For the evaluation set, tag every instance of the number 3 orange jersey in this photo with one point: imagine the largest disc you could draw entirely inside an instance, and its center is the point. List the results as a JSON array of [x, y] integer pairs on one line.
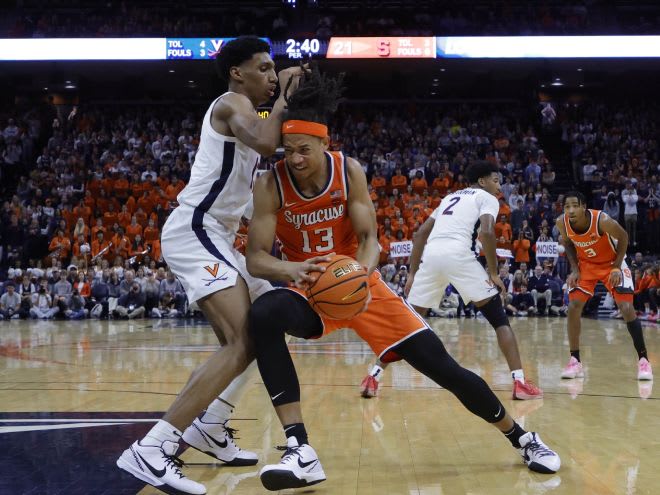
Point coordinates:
[[313, 226], [591, 246]]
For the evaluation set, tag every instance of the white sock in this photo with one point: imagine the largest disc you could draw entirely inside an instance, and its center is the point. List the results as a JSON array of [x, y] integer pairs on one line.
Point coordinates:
[[220, 409], [377, 372], [518, 375], [161, 432]]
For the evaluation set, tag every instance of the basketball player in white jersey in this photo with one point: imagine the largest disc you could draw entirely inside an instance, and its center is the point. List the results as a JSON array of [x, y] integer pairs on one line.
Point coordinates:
[[197, 243], [448, 240]]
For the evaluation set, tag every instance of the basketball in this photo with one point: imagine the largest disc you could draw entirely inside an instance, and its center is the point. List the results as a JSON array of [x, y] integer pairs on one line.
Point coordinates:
[[341, 291]]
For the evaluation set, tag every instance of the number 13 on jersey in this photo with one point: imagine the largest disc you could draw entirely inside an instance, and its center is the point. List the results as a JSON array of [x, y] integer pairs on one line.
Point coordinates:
[[322, 240]]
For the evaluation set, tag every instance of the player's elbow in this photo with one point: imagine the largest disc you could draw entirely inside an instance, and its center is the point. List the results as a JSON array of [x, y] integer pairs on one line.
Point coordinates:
[[265, 148]]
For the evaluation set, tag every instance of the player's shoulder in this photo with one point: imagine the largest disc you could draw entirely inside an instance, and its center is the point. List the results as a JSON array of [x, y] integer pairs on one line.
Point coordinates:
[[228, 103]]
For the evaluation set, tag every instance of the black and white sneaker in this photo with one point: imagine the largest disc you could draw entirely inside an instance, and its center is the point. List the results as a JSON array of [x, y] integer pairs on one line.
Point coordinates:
[[537, 455], [159, 467], [217, 440], [299, 467]]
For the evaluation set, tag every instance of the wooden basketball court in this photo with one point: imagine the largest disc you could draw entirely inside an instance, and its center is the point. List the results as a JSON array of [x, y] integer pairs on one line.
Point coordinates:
[[73, 395]]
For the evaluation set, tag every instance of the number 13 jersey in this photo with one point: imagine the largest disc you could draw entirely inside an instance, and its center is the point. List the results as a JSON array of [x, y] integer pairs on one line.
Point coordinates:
[[314, 226], [457, 218]]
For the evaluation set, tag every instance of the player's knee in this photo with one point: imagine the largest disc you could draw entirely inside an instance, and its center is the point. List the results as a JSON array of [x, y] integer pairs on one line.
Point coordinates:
[[268, 315], [494, 312]]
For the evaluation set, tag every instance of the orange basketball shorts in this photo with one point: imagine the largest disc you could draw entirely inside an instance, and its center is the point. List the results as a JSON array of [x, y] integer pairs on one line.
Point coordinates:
[[591, 274], [387, 322]]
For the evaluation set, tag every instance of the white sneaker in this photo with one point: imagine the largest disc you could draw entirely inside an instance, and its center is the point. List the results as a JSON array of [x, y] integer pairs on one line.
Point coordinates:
[[299, 467], [538, 455], [217, 440], [159, 467]]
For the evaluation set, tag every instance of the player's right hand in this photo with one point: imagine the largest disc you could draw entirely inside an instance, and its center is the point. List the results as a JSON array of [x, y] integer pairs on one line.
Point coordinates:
[[302, 273], [572, 279], [497, 281]]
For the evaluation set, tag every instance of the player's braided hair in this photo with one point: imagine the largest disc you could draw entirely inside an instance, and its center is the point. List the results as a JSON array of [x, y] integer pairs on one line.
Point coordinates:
[[316, 98]]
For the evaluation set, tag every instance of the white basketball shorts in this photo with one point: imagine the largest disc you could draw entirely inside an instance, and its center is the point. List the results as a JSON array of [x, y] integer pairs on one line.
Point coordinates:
[[200, 252], [446, 263]]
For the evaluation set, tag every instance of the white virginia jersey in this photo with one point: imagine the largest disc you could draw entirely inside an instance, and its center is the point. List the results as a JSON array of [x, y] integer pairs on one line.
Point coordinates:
[[221, 178], [457, 216]]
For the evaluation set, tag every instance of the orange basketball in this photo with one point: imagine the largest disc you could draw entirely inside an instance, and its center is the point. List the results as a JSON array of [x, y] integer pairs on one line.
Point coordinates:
[[341, 291]]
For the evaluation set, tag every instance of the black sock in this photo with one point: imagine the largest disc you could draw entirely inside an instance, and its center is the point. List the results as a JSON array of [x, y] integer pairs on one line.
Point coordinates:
[[296, 430], [576, 354], [635, 330], [514, 434]]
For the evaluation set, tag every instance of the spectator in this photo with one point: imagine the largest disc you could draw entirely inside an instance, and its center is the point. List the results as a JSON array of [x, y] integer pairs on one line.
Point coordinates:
[[521, 247], [174, 287], [42, 304], [76, 309], [131, 304], [539, 285], [630, 198], [523, 303], [10, 303], [611, 206]]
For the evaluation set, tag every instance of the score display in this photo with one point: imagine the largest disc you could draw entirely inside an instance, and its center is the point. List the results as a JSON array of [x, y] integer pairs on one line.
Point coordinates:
[[382, 47], [377, 47]]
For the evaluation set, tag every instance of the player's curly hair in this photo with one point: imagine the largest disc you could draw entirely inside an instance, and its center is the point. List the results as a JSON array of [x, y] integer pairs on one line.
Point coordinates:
[[478, 169], [582, 200], [316, 98], [237, 51]]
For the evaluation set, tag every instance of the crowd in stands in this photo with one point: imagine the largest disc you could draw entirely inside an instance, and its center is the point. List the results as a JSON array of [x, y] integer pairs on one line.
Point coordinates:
[[615, 152], [80, 229], [323, 19]]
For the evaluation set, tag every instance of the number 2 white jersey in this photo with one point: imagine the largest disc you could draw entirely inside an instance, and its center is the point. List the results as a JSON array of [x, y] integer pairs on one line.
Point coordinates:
[[457, 218], [221, 178]]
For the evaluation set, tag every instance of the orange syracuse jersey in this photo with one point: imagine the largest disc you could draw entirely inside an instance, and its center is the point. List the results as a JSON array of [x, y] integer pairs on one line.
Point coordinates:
[[591, 246], [313, 226]]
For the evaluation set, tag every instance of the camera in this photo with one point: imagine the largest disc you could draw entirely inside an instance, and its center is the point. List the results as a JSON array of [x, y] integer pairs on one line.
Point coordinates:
[[42, 290]]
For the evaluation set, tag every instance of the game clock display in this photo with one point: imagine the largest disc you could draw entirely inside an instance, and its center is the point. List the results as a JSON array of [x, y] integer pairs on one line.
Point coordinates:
[[300, 48]]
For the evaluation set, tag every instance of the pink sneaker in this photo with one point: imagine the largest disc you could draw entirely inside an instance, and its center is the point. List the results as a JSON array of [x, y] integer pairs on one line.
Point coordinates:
[[526, 390], [644, 371], [573, 369], [369, 387]]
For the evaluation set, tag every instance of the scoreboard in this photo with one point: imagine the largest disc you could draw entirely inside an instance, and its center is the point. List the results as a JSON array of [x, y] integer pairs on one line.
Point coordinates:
[[375, 47]]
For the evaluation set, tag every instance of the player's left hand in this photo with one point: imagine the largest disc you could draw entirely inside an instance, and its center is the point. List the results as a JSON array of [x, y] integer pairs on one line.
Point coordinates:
[[615, 277]]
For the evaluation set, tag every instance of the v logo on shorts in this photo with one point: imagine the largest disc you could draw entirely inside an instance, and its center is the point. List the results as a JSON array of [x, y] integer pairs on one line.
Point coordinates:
[[213, 271]]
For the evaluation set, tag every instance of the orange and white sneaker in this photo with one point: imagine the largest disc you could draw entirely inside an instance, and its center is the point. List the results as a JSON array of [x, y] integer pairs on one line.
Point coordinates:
[[644, 371], [526, 390], [369, 387], [573, 369]]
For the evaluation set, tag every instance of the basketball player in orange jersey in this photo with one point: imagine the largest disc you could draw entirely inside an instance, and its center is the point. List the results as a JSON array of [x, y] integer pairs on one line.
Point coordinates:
[[316, 203], [596, 247]]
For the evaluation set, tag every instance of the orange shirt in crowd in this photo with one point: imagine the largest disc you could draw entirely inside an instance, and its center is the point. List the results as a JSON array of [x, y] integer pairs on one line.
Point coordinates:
[[378, 183], [124, 218], [96, 228], [108, 185], [419, 185], [155, 249], [121, 188], [84, 212], [63, 244], [76, 250], [121, 245], [441, 185], [133, 230], [110, 218], [83, 288], [131, 205], [146, 203], [151, 233], [503, 229], [399, 182], [391, 211], [98, 247], [504, 210], [521, 250]]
